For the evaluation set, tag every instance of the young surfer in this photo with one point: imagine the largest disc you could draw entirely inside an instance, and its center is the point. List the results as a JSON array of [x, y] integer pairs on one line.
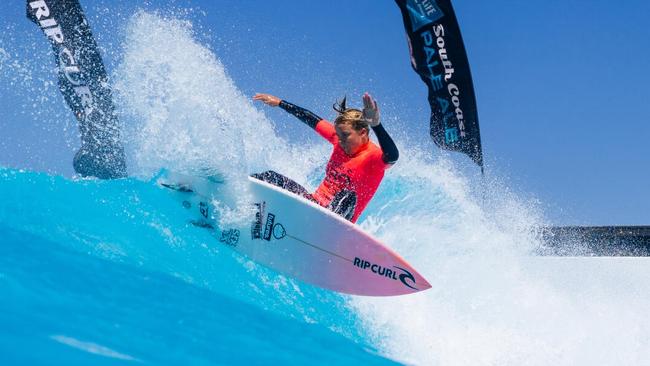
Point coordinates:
[[356, 166]]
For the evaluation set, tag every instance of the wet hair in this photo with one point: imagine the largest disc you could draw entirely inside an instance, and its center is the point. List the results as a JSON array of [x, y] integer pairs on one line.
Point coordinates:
[[349, 115]]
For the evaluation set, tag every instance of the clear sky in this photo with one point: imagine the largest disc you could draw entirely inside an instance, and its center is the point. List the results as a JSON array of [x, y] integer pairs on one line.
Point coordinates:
[[561, 85]]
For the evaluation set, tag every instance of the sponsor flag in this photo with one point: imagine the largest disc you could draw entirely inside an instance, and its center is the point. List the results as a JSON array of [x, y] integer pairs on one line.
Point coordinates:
[[84, 85], [438, 56]]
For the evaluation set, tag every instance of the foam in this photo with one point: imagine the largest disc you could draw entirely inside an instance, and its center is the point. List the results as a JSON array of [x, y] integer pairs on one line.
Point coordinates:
[[492, 301]]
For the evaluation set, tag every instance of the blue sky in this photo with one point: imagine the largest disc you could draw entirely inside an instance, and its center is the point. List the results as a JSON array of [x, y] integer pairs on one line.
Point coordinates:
[[560, 86]]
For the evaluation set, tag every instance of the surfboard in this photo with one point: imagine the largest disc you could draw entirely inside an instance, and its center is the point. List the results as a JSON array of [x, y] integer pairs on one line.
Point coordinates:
[[300, 239]]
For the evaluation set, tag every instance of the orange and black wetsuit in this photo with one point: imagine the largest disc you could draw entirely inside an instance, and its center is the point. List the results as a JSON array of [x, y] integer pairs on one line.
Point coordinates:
[[350, 181]]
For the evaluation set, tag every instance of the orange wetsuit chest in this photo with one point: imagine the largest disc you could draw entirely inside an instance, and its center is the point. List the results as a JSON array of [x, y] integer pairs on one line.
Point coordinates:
[[361, 173]]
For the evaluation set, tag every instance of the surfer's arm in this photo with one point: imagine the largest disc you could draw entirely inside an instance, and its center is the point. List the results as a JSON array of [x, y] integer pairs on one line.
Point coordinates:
[[390, 152], [308, 117], [371, 116], [322, 127]]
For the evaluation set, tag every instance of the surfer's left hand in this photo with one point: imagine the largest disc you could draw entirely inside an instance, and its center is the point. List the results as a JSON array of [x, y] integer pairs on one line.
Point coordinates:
[[370, 110]]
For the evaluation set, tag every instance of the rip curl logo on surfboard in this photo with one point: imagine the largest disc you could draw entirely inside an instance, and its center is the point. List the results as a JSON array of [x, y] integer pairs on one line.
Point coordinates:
[[405, 276]]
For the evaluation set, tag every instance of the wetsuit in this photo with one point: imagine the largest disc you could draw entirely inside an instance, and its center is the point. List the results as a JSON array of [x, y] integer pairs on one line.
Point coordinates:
[[350, 181]]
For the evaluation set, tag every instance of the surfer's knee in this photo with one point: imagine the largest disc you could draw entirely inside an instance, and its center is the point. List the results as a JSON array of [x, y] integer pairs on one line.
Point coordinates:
[[344, 204]]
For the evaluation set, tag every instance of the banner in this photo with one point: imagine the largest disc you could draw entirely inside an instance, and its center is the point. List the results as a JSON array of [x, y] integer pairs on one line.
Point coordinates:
[[438, 56], [84, 85]]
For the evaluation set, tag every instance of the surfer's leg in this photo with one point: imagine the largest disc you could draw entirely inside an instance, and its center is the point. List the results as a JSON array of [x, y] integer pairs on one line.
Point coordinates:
[[281, 181], [343, 204]]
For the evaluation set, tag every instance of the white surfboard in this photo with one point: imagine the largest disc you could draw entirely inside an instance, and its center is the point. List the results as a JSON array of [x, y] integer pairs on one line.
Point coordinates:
[[302, 240]]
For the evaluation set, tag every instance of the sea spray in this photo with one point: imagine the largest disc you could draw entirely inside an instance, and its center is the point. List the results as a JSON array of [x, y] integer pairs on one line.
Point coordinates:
[[493, 301], [184, 113], [486, 306]]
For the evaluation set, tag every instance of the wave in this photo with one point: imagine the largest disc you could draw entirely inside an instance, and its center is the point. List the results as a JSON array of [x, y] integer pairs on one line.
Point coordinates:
[[492, 301], [73, 307]]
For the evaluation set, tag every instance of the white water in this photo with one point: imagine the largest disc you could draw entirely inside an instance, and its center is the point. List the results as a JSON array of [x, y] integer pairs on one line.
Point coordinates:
[[186, 114], [492, 302]]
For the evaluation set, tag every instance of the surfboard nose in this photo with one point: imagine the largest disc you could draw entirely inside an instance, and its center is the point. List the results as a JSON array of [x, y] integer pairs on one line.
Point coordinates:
[[423, 284], [419, 282], [392, 277]]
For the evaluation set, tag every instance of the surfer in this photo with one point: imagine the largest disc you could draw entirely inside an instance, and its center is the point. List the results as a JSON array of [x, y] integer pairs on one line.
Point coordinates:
[[355, 168]]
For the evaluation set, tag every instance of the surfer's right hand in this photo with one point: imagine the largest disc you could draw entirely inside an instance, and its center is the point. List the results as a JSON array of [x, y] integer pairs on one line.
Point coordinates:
[[268, 99], [370, 110]]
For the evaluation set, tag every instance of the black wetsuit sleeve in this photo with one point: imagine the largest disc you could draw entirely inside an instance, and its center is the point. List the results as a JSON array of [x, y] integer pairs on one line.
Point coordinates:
[[391, 154], [302, 114]]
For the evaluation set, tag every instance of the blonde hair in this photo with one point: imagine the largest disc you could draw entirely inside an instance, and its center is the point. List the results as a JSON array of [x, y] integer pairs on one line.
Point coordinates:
[[352, 116]]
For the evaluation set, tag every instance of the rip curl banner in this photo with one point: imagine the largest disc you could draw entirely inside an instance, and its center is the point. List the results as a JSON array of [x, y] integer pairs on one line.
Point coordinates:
[[438, 56], [84, 85]]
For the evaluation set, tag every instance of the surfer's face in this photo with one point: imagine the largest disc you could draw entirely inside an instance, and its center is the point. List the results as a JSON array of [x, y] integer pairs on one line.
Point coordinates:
[[350, 139]]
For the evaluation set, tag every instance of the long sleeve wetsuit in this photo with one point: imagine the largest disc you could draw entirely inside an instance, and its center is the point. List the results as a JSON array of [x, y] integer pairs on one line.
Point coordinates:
[[350, 180]]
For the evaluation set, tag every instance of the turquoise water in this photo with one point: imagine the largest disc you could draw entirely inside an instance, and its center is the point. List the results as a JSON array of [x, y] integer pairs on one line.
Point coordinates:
[[110, 273]]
